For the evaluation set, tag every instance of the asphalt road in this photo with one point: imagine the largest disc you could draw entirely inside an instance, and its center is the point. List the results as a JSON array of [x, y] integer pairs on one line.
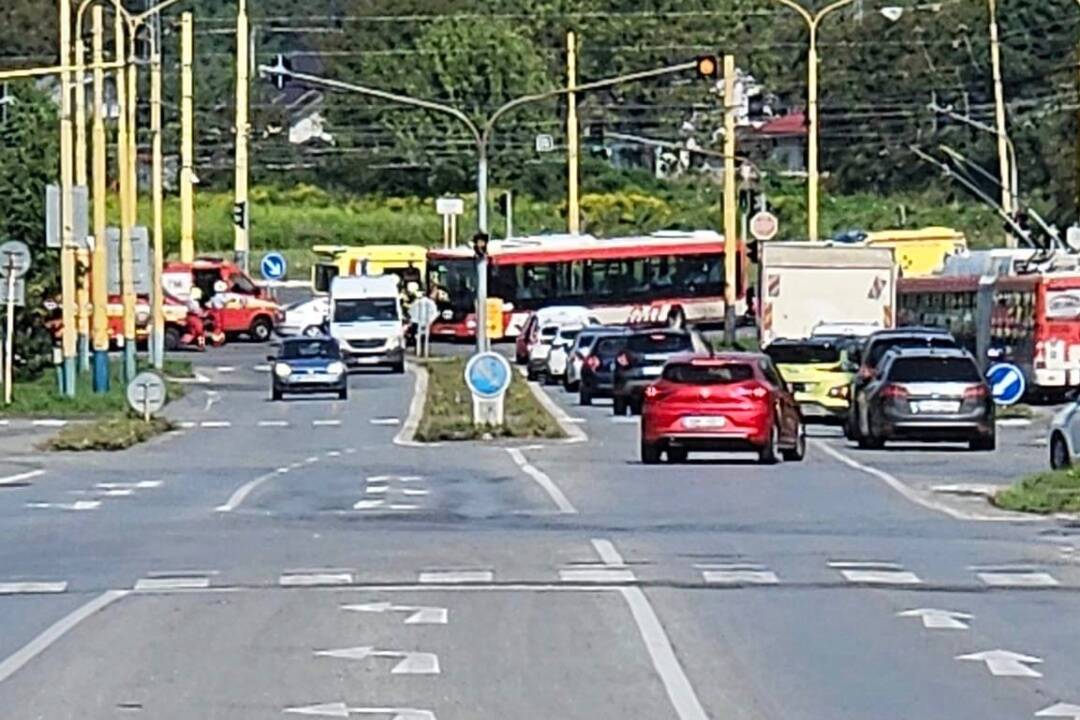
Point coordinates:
[[291, 560]]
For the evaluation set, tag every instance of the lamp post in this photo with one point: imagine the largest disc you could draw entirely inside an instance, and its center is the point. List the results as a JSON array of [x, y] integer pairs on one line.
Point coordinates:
[[999, 114], [813, 20]]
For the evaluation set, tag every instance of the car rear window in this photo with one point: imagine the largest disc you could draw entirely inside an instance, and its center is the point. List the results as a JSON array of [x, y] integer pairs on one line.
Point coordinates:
[[687, 374], [659, 343], [549, 331], [803, 354], [609, 347], [930, 369], [878, 349]]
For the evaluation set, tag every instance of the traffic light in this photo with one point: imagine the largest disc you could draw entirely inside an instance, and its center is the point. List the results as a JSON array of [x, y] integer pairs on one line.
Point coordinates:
[[240, 216], [708, 67], [480, 245], [503, 203]]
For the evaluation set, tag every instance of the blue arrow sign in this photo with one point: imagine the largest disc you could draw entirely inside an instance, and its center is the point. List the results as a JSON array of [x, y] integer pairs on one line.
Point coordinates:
[[273, 266], [488, 375], [1007, 383]]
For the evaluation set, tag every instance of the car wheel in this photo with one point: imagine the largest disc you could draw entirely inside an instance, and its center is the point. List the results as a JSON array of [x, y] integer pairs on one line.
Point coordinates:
[[343, 394], [870, 441], [398, 368], [261, 329], [851, 424], [650, 452], [768, 454], [618, 406], [584, 396], [1059, 452], [798, 452], [530, 375], [275, 394], [312, 331], [677, 455], [984, 444]]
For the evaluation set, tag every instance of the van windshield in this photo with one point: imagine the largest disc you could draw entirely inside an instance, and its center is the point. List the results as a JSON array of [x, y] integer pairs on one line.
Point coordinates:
[[366, 310]]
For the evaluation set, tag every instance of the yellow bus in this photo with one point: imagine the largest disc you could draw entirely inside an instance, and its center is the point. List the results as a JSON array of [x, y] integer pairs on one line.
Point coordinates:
[[922, 252], [408, 262]]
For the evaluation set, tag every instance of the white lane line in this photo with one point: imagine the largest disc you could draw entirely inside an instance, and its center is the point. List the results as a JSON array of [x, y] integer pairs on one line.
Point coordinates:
[[20, 477], [914, 496], [162, 584], [241, 493], [386, 421], [1017, 579], [225, 368], [452, 577], [413, 492], [187, 424], [737, 574], [141, 485], [403, 506], [32, 588], [49, 423], [368, 504], [679, 690], [215, 424], [261, 368], [609, 555], [4, 423], [119, 492], [274, 423], [622, 420], [881, 577], [78, 505], [38, 645], [376, 489], [543, 481], [326, 423], [601, 575], [333, 453], [315, 579]]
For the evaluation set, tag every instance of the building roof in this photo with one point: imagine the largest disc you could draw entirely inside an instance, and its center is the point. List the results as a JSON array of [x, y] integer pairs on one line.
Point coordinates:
[[791, 125]]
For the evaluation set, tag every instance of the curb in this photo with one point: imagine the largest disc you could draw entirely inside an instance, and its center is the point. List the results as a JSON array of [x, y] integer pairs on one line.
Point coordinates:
[[406, 436], [574, 433]]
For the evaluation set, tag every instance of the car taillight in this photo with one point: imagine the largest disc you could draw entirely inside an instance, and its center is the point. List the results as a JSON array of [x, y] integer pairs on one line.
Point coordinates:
[[623, 360], [592, 362], [976, 392], [751, 390], [894, 391]]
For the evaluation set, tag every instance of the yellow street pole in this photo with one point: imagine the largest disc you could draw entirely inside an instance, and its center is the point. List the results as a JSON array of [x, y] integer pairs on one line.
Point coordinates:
[[99, 286], [731, 201], [133, 124], [240, 231], [187, 141], [123, 149], [67, 210], [157, 190], [82, 256], [999, 112], [573, 138]]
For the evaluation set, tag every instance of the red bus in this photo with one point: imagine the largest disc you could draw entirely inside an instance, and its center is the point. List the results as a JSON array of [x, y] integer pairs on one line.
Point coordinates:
[[669, 277], [1034, 320]]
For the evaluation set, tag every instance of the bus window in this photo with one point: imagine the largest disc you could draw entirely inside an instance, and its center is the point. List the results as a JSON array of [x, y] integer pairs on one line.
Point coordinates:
[[322, 275]]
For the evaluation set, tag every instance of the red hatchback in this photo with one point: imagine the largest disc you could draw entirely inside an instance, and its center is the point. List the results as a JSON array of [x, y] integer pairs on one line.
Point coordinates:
[[723, 403]]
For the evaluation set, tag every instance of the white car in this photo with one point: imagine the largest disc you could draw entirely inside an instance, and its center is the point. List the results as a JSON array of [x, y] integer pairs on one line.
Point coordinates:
[[307, 318], [539, 352], [558, 357], [1064, 440]]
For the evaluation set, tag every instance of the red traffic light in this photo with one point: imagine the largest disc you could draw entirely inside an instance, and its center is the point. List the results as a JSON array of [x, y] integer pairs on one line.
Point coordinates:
[[708, 66]]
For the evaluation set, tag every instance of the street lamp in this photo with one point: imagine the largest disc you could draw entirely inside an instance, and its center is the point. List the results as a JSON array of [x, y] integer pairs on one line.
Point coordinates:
[[812, 179]]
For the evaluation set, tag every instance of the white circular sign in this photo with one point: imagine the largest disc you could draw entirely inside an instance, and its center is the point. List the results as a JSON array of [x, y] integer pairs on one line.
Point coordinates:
[[14, 257], [764, 226], [146, 393], [423, 312], [488, 375]]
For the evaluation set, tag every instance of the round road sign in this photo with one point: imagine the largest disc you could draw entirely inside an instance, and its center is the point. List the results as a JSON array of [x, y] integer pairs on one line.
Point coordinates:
[[146, 393], [1007, 383], [273, 266], [14, 258], [764, 226], [488, 375]]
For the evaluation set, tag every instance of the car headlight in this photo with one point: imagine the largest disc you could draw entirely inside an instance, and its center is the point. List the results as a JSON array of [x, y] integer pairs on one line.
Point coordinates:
[[471, 324], [393, 343], [282, 370], [335, 368]]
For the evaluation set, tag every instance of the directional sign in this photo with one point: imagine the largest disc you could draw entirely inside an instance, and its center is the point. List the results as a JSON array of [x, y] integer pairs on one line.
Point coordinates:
[[341, 710], [488, 375], [1007, 383], [146, 394], [1005, 663], [545, 143], [417, 614], [14, 258], [273, 266], [939, 619], [764, 226], [409, 663]]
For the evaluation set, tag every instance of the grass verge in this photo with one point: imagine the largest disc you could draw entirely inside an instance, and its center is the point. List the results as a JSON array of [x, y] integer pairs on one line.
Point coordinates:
[[114, 433], [1051, 491], [448, 409], [1015, 412]]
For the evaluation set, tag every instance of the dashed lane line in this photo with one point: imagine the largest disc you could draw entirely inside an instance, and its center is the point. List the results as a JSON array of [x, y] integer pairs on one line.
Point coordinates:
[[215, 424], [455, 577], [168, 584], [1016, 578], [32, 588], [241, 493], [545, 482], [737, 574], [273, 423], [326, 423], [21, 477], [316, 579]]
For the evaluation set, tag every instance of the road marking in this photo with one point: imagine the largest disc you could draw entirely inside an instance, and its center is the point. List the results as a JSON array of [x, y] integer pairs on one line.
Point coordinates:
[[326, 423], [311, 460], [409, 662], [49, 423], [601, 574], [543, 481], [315, 579], [914, 496], [403, 506], [607, 551], [1018, 578], [141, 485], [386, 421], [20, 477], [623, 420], [187, 424], [1013, 422], [274, 423], [350, 451], [262, 368], [215, 424], [162, 584], [939, 619], [1005, 663], [1060, 710], [368, 504], [120, 492], [376, 489], [407, 435], [39, 644], [737, 574], [333, 453], [241, 493], [880, 577], [455, 577], [212, 396], [32, 588], [225, 368], [4, 423], [341, 710], [418, 614], [414, 492], [78, 505]]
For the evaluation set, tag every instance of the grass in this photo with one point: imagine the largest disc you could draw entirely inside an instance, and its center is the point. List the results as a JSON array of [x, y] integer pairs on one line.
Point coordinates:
[[448, 409], [1011, 412], [1051, 491], [114, 433]]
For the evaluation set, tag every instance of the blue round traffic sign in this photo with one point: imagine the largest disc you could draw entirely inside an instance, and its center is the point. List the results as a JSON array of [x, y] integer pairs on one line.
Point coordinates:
[[487, 375], [273, 266], [1007, 383]]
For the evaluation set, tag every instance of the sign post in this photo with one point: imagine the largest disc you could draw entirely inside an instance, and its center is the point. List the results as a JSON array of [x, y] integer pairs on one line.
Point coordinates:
[[423, 312], [488, 376], [450, 208], [146, 394], [14, 262]]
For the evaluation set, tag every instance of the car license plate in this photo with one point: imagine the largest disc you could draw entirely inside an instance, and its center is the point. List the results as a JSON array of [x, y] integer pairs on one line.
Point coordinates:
[[811, 410], [937, 406], [799, 387], [705, 422], [651, 370]]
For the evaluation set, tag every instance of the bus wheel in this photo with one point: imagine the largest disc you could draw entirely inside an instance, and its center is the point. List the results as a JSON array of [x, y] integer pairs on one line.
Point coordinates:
[[676, 319]]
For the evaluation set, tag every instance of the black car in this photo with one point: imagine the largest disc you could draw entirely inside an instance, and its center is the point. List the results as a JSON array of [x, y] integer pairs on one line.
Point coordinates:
[[865, 361], [308, 365], [929, 394], [641, 362], [598, 368]]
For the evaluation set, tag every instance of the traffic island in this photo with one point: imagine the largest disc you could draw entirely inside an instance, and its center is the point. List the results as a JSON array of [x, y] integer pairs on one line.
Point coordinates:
[[448, 411], [109, 434], [1045, 493]]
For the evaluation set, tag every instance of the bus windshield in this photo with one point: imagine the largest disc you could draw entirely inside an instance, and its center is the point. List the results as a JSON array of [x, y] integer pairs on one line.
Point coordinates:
[[454, 282]]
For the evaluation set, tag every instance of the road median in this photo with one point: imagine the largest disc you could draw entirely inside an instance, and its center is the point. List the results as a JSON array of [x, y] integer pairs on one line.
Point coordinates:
[[1044, 493]]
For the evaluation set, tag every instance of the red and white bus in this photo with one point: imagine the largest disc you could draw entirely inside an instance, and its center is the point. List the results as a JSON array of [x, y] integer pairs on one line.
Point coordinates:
[[669, 277], [1034, 320]]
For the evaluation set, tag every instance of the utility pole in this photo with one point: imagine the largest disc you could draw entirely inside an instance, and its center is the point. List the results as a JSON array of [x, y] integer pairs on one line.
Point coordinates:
[[187, 141], [240, 230], [127, 215], [999, 112], [730, 202], [82, 256], [67, 209], [573, 138], [157, 311], [99, 285]]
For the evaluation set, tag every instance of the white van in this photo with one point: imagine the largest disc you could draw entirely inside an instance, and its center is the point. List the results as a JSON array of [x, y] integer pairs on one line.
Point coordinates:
[[366, 320]]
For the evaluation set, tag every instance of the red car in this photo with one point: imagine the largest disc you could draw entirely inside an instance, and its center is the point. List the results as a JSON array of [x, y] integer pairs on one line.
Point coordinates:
[[729, 403]]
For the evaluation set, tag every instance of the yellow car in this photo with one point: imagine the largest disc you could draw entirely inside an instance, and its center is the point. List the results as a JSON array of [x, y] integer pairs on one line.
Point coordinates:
[[819, 373]]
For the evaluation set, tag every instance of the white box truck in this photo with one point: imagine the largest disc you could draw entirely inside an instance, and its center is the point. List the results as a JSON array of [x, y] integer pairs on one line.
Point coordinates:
[[801, 285], [366, 320]]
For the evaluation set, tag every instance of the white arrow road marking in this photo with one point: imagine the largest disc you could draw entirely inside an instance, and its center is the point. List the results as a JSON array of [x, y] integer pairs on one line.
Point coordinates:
[[1005, 663], [1060, 710], [418, 614], [212, 396], [12, 479], [341, 710], [939, 619], [409, 663]]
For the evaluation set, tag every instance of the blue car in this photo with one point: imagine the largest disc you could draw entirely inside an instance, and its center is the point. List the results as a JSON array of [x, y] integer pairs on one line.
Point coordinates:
[[308, 365]]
